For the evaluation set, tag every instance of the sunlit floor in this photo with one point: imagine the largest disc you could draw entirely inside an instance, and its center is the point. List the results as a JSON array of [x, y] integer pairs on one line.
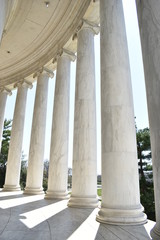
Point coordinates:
[[25, 217]]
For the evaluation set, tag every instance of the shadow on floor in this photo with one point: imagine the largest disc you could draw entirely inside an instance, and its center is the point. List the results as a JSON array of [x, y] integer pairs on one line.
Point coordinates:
[[111, 232], [25, 217]]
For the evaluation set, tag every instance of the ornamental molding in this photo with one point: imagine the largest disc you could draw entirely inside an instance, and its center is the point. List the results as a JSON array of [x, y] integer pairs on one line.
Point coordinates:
[[23, 83], [65, 53], [6, 90], [44, 70], [85, 24]]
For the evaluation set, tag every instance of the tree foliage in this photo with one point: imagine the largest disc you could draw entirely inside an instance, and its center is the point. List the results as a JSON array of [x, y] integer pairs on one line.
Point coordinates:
[[146, 175], [23, 173], [45, 174], [147, 198], [143, 148], [4, 149]]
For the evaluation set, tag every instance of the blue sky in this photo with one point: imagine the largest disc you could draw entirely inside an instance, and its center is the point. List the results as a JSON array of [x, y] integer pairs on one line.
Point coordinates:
[[138, 86]]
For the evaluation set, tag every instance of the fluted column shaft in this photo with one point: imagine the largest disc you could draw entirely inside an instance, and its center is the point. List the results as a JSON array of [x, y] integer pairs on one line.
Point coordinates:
[[84, 178], [149, 22], [58, 164], [3, 99], [37, 143], [15, 147], [120, 181]]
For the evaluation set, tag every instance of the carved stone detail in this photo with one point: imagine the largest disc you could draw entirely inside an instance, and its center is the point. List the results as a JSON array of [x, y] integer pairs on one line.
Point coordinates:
[[88, 25], [43, 70], [65, 52], [6, 90], [23, 83]]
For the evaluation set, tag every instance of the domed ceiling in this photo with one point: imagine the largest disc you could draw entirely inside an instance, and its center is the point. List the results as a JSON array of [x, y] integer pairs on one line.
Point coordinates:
[[35, 31]]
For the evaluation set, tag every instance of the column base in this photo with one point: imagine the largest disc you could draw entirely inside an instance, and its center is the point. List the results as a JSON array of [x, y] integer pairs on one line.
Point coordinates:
[[33, 191], [83, 202], [132, 216], [11, 188], [57, 195], [155, 233]]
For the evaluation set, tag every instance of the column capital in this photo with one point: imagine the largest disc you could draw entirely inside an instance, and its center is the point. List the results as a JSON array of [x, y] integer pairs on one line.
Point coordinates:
[[85, 24], [44, 70], [66, 53], [59, 53], [6, 90], [23, 83]]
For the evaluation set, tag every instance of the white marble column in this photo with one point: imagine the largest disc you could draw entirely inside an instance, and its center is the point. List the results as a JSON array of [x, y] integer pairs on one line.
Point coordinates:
[[15, 147], [37, 142], [58, 164], [120, 181], [149, 22], [3, 98], [84, 178]]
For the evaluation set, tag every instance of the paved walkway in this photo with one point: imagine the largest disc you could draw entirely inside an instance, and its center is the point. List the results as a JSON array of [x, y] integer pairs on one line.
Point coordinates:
[[25, 217]]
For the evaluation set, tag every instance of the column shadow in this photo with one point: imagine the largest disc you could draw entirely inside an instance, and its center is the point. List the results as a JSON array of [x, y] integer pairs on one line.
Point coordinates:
[[113, 232], [46, 219]]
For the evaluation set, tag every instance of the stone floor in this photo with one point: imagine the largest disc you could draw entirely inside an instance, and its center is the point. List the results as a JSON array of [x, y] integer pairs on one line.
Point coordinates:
[[25, 217]]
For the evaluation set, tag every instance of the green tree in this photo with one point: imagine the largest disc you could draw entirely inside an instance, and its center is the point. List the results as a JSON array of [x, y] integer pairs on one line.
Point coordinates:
[[147, 198], [146, 180], [4, 149], [23, 173], [143, 148], [45, 174]]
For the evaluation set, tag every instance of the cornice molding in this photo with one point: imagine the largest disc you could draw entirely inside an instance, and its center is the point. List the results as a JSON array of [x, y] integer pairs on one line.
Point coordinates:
[[85, 24], [44, 70], [65, 53], [5, 90], [23, 83]]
